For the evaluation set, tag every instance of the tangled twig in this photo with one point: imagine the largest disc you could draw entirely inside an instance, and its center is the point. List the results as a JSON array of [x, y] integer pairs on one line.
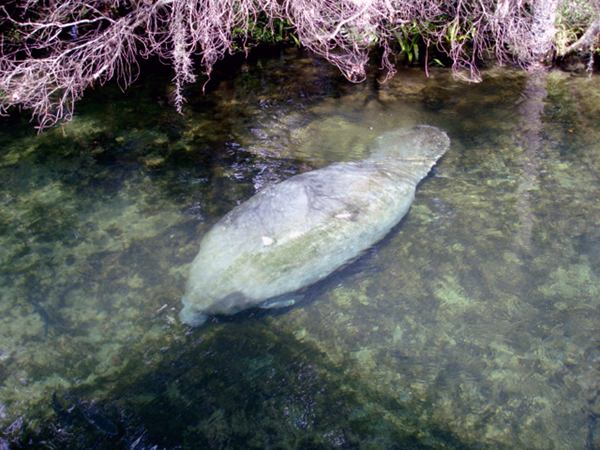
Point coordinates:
[[53, 50]]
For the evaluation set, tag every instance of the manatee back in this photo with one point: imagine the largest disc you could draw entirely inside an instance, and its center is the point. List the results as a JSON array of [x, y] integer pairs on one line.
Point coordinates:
[[293, 234]]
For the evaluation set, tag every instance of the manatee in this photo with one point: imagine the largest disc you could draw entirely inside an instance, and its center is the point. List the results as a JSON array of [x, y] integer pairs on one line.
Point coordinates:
[[290, 235]]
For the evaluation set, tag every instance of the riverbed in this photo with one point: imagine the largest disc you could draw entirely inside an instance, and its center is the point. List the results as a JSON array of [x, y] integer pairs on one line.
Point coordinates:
[[474, 324]]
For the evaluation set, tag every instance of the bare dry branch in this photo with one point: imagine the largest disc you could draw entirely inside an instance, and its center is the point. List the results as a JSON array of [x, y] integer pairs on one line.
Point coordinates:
[[53, 50], [586, 41]]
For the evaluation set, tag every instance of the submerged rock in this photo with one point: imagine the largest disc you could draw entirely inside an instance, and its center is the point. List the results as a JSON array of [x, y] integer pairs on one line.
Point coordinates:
[[295, 233]]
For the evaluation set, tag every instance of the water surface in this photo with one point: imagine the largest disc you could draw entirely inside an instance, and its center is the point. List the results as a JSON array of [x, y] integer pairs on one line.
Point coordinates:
[[474, 324]]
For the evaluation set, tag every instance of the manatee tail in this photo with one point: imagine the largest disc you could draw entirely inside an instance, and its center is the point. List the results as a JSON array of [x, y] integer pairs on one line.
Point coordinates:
[[420, 143]]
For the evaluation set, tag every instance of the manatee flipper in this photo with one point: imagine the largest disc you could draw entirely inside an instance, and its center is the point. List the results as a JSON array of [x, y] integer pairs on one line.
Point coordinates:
[[280, 302]]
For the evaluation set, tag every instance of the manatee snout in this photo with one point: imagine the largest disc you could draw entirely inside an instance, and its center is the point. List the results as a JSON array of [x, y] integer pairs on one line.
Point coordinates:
[[190, 314]]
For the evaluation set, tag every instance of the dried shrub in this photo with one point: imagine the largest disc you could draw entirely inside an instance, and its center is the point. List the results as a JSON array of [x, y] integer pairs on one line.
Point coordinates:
[[52, 50]]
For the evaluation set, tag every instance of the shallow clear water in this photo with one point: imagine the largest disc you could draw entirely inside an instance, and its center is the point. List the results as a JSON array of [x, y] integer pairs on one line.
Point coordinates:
[[474, 324]]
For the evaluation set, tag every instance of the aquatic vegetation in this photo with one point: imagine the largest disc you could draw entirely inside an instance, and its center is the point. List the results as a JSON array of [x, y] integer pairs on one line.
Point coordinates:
[[473, 323]]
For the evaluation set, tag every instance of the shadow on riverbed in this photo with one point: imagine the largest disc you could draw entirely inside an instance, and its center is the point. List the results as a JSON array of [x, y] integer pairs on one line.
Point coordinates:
[[280, 394]]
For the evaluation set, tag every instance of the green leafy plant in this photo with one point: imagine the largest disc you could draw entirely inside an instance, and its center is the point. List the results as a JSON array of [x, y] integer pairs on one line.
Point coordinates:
[[261, 30], [573, 19], [408, 39]]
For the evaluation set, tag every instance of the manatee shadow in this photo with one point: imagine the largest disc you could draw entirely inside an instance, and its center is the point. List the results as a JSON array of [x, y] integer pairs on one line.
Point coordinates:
[[238, 385]]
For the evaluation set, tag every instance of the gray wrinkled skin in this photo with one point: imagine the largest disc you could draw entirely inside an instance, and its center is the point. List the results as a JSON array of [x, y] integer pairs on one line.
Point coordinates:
[[293, 234]]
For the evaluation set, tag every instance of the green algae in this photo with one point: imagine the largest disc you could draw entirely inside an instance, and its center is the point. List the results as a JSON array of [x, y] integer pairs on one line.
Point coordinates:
[[474, 323]]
